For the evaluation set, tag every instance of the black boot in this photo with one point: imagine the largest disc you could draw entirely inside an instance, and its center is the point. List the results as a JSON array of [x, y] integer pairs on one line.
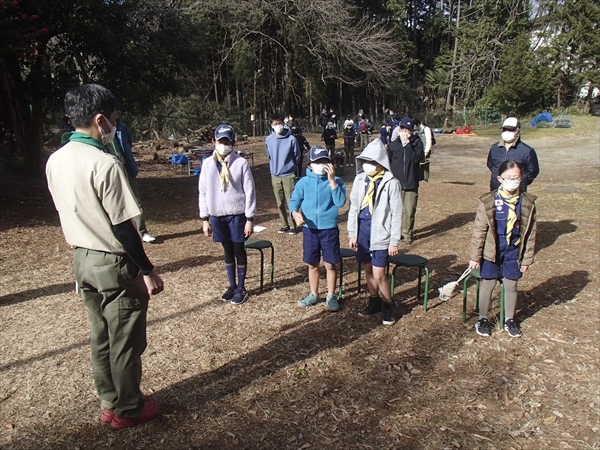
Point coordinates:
[[388, 312], [374, 307]]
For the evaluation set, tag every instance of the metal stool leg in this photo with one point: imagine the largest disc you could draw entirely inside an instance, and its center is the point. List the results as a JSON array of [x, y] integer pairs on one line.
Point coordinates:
[[262, 268], [340, 290], [477, 284], [272, 263], [464, 314], [419, 285], [426, 293], [501, 304], [392, 280]]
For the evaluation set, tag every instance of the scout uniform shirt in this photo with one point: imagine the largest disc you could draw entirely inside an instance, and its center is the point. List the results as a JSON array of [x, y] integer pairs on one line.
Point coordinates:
[[90, 192]]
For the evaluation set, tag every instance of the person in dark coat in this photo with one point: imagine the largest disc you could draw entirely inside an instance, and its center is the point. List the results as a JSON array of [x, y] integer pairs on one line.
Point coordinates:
[[303, 145], [511, 148], [405, 153]]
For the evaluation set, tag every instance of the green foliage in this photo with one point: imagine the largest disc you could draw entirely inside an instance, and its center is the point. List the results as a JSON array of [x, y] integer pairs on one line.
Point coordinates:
[[524, 86], [185, 62]]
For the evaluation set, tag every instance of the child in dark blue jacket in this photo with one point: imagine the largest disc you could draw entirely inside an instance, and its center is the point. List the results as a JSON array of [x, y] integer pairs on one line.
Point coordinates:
[[320, 193]]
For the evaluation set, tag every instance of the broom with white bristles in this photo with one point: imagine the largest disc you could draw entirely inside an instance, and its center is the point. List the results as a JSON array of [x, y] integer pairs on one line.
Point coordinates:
[[447, 290]]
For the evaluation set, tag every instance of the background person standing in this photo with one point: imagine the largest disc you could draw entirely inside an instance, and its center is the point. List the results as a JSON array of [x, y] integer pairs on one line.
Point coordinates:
[[284, 154], [426, 136], [405, 154], [125, 143], [511, 148]]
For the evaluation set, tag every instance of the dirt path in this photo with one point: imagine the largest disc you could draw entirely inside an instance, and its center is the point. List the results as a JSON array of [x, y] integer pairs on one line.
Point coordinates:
[[268, 375]]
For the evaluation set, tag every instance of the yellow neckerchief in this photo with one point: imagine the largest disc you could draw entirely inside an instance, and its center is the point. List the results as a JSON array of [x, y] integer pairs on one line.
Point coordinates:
[[224, 170], [511, 200], [369, 196]]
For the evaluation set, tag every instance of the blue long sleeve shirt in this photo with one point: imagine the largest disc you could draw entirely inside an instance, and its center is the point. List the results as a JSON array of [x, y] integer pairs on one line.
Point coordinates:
[[319, 203], [283, 153]]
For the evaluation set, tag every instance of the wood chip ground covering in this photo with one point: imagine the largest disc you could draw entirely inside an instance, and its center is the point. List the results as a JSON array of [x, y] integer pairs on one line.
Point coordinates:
[[268, 375]]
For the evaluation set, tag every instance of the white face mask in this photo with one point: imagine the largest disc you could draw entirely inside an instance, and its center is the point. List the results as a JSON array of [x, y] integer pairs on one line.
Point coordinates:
[[223, 149], [278, 129], [318, 169], [369, 168], [106, 138], [508, 136], [510, 185]]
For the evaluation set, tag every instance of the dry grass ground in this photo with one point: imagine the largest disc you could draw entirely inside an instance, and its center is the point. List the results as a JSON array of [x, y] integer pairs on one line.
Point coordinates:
[[269, 375]]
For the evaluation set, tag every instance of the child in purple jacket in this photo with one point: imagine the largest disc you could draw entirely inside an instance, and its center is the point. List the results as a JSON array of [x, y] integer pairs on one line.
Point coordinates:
[[227, 207]]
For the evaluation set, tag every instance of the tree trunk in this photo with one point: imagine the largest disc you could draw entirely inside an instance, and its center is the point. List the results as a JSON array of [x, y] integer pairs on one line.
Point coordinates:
[[288, 81], [449, 95]]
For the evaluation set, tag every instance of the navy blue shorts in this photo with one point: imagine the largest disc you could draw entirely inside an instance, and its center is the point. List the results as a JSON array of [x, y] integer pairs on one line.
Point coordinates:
[[228, 228], [378, 258], [506, 264], [317, 242]]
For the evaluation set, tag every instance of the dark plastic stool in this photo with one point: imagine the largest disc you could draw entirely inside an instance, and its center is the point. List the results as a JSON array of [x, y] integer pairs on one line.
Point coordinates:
[[261, 245], [347, 253], [477, 277], [411, 261]]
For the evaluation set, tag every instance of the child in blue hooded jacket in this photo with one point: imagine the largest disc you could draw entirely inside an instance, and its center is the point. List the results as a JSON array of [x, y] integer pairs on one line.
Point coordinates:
[[314, 204]]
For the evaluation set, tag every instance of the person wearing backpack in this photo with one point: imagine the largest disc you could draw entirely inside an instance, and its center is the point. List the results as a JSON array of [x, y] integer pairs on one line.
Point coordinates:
[[349, 144], [428, 139]]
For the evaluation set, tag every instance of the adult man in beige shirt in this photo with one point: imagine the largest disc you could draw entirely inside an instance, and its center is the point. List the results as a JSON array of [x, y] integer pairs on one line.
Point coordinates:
[[96, 204]]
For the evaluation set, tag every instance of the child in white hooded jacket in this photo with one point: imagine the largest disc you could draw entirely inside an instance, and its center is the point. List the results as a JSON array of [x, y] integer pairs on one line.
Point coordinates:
[[375, 225]]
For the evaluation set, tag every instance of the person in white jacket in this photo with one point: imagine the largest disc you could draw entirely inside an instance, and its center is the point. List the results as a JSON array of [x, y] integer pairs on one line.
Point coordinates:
[[375, 225], [426, 135]]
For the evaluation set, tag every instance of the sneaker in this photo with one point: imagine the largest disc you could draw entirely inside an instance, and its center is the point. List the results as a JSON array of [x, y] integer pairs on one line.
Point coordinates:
[[149, 412], [483, 327], [374, 307], [240, 296], [511, 327], [292, 231], [146, 237], [388, 313], [309, 300], [332, 303], [228, 295], [283, 230]]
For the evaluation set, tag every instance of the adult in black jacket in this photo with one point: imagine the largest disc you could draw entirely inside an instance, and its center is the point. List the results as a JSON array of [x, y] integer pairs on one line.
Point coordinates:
[[405, 153], [512, 148]]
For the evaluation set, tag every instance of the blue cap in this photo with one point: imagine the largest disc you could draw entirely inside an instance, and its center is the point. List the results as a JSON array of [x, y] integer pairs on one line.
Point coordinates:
[[224, 131], [407, 122], [318, 152]]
